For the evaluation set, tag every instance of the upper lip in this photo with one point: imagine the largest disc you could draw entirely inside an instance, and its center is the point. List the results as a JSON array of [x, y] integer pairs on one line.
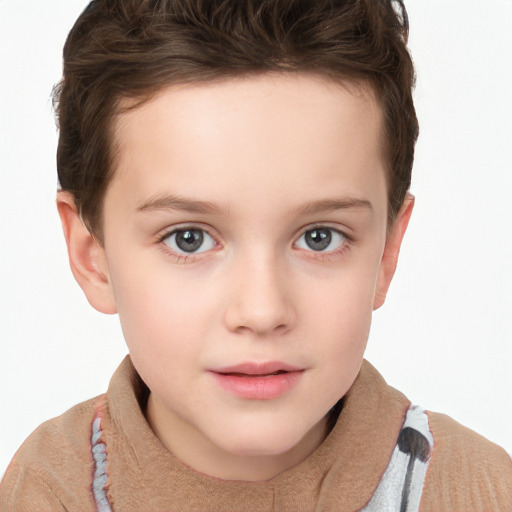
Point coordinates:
[[258, 368]]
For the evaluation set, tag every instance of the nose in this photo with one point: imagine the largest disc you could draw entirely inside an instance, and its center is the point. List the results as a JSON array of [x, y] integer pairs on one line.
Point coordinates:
[[260, 298]]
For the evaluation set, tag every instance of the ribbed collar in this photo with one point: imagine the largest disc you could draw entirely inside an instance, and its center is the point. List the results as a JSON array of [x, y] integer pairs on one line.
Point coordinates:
[[340, 475]]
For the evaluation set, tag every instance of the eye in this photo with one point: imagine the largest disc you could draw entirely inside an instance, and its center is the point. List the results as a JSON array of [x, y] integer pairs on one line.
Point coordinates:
[[321, 239], [189, 241]]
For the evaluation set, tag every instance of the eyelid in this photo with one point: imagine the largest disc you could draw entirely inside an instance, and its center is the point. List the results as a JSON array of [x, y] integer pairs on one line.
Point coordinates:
[[325, 225], [166, 232]]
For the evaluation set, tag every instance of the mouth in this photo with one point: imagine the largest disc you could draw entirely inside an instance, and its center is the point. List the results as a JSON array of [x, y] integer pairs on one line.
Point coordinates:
[[240, 374], [258, 369], [258, 381]]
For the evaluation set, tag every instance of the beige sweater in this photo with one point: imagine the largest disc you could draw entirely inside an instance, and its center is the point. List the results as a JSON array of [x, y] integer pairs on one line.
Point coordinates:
[[53, 470]]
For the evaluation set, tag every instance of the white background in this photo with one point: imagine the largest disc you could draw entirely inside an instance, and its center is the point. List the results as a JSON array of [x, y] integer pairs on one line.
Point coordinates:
[[445, 335]]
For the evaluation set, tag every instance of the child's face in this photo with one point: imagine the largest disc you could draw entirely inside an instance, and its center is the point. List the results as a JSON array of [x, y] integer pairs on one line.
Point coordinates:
[[246, 225]]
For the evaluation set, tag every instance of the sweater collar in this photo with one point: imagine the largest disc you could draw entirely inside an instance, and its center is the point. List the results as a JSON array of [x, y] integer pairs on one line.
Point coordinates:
[[341, 474]]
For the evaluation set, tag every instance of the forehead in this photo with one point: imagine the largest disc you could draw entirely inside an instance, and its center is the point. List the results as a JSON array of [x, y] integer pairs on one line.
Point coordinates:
[[271, 136]]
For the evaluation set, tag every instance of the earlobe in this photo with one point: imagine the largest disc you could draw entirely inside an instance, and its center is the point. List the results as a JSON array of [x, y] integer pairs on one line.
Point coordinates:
[[392, 250], [86, 257]]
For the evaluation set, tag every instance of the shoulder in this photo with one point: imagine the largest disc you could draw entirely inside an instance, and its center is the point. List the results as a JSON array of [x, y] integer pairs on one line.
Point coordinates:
[[466, 471], [52, 469]]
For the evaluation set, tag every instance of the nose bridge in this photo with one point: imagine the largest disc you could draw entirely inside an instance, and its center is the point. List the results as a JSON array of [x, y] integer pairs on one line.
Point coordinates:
[[260, 300]]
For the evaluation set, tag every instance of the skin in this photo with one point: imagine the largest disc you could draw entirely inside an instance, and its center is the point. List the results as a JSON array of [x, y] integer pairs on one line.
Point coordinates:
[[273, 157]]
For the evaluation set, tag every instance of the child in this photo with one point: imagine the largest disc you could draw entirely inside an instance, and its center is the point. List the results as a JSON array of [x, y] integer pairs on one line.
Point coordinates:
[[235, 185]]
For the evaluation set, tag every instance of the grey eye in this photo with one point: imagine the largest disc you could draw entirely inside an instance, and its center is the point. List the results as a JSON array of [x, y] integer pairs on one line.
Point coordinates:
[[321, 239], [189, 241]]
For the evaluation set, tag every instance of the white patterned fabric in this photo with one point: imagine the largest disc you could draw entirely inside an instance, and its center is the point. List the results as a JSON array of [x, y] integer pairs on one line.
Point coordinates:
[[402, 484]]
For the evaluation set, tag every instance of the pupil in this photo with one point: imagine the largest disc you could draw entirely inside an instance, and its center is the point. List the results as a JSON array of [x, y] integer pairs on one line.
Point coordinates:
[[189, 240], [318, 239]]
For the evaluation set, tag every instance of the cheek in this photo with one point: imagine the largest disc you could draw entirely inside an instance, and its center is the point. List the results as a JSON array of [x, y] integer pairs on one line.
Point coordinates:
[[343, 355], [161, 309], [345, 297], [339, 317]]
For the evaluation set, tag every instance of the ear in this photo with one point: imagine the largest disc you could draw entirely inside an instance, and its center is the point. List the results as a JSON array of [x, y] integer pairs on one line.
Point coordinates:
[[392, 250], [86, 257]]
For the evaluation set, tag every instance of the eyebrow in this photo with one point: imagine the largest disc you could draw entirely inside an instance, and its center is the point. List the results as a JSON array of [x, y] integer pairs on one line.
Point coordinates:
[[331, 205], [172, 202]]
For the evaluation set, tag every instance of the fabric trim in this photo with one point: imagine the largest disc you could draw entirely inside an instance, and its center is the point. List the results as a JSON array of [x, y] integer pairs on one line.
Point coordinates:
[[99, 454]]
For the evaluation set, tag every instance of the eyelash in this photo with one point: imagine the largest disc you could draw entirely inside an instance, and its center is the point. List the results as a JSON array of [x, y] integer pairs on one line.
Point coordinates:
[[192, 257]]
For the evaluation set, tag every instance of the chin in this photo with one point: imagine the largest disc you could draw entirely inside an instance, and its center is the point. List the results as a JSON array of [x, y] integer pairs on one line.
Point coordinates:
[[261, 442]]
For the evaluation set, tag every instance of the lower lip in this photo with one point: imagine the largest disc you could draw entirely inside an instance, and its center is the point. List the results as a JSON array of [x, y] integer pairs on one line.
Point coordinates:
[[259, 387]]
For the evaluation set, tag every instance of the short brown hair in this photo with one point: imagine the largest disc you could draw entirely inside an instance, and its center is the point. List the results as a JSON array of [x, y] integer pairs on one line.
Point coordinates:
[[121, 49]]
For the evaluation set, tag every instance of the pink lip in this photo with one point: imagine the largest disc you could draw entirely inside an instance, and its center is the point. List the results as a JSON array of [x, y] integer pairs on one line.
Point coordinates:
[[258, 381]]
